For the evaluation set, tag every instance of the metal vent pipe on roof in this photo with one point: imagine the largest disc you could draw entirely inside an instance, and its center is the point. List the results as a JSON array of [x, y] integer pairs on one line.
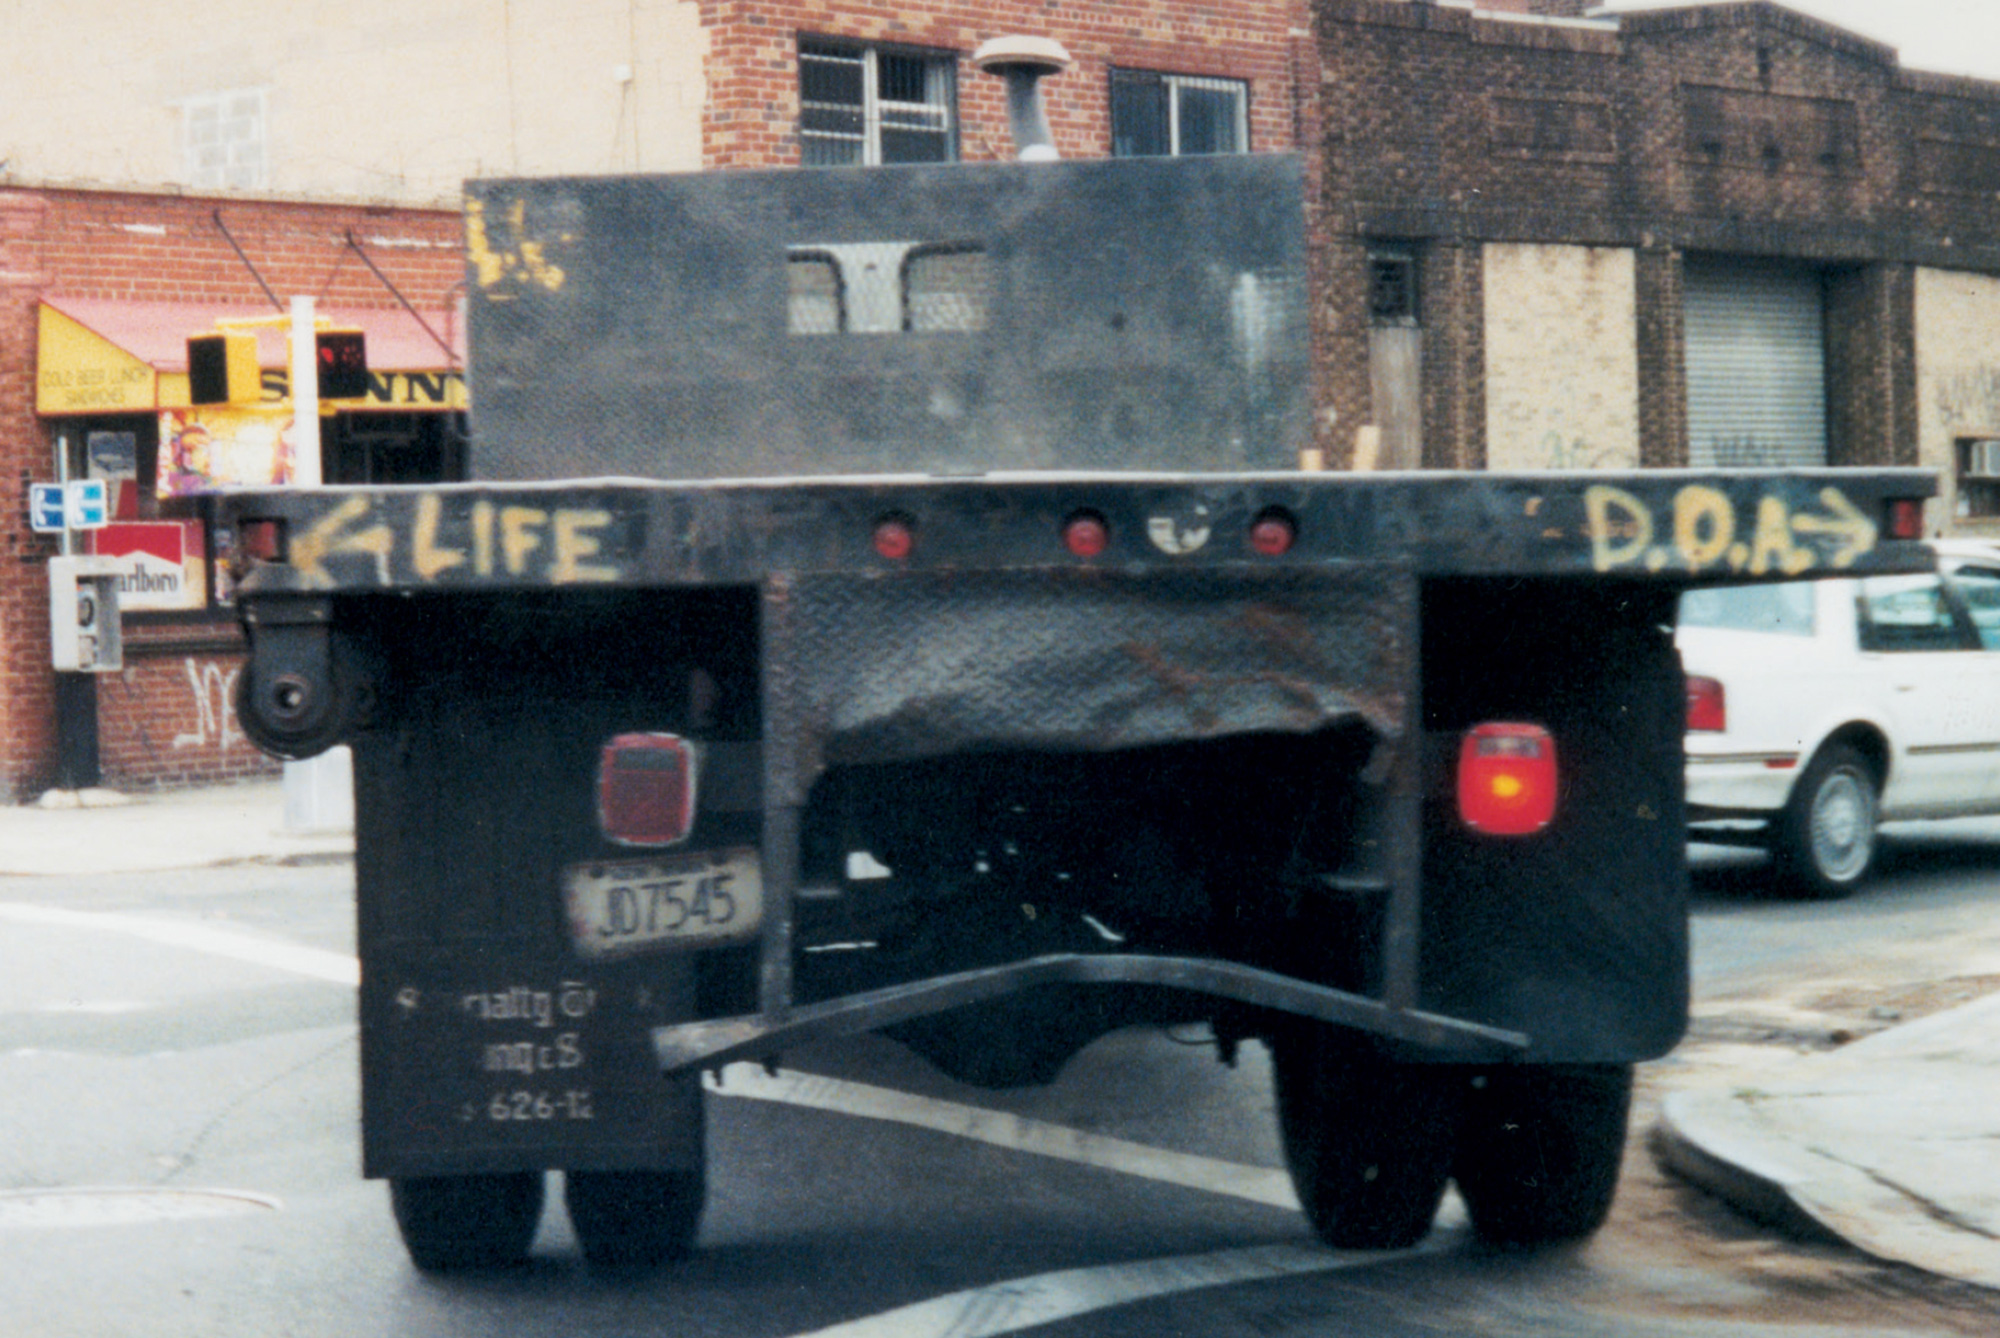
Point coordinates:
[[1024, 62]]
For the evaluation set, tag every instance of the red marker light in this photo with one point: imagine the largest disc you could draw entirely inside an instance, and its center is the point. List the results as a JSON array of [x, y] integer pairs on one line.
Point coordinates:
[[1273, 534], [262, 539], [1707, 709], [1507, 779], [1086, 535], [645, 789], [895, 538], [1906, 518]]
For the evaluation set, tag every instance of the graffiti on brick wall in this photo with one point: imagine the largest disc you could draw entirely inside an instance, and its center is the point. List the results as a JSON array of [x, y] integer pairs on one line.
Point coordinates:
[[1970, 399], [1561, 452], [214, 691]]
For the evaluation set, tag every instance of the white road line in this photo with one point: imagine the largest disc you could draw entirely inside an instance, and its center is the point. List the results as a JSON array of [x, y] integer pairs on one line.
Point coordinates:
[[340, 968], [1024, 1303], [981, 1312], [1002, 1129]]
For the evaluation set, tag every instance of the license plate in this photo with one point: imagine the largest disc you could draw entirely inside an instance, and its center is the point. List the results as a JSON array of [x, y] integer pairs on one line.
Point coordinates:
[[698, 899]]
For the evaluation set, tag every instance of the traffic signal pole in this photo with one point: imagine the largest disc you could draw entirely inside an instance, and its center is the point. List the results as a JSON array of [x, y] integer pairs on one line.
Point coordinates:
[[319, 792]]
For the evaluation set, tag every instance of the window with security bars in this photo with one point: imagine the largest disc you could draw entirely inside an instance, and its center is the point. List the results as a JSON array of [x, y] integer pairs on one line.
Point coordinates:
[[864, 105], [1155, 114], [1392, 286]]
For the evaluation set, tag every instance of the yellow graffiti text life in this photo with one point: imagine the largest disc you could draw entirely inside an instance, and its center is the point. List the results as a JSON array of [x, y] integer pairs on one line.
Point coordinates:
[[552, 544]]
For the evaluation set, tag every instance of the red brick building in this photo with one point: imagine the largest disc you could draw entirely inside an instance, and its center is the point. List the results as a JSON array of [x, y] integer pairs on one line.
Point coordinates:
[[98, 293], [1721, 235]]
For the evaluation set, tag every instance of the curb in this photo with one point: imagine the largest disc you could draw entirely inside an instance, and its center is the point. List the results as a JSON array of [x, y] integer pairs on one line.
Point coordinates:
[[1703, 1146]]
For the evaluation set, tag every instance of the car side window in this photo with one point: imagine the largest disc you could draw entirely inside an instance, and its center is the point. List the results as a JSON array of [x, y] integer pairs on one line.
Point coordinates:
[[1905, 613], [1980, 588]]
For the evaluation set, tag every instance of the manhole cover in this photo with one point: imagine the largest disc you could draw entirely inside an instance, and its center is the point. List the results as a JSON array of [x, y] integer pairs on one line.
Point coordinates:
[[115, 1206]]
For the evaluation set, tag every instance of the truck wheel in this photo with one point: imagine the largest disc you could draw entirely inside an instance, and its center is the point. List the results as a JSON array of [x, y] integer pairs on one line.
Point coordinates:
[[634, 1219], [1824, 839], [454, 1222], [1368, 1140], [1539, 1153]]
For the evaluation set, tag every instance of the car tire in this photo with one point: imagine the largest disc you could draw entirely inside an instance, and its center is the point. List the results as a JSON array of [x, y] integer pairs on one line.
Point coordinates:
[[1824, 839], [1368, 1140], [455, 1222], [1540, 1150], [634, 1219]]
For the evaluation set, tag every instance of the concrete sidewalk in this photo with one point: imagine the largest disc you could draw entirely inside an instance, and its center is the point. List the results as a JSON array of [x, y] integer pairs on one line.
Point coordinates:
[[1891, 1143], [99, 831]]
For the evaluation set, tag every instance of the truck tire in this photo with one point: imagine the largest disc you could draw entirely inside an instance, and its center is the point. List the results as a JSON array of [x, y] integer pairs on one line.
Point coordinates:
[[634, 1219], [454, 1222], [1824, 838], [1368, 1140], [1540, 1149]]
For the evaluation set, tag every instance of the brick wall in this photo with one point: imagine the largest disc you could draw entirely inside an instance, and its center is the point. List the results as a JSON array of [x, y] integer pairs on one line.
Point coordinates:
[[753, 110], [169, 248], [1742, 129], [163, 720], [169, 717]]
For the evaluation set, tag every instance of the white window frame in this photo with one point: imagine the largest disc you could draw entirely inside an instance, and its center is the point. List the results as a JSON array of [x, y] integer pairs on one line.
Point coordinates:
[[241, 157], [1175, 84], [878, 112]]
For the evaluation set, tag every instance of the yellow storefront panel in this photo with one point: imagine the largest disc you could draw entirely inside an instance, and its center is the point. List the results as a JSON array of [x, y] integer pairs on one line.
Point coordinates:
[[78, 371]]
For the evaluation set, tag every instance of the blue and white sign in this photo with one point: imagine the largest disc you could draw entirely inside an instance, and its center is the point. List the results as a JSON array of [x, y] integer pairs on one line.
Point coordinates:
[[86, 504], [82, 504], [45, 508]]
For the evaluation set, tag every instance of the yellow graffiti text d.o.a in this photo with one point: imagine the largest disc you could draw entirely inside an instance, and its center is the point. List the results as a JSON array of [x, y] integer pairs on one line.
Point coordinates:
[[1701, 530]]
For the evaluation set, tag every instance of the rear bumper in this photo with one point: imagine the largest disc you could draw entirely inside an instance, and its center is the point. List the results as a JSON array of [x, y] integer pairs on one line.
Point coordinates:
[[1735, 782], [706, 1044]]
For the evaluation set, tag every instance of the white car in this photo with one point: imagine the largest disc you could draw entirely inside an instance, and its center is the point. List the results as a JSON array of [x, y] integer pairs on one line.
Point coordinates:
[[1819, 709]]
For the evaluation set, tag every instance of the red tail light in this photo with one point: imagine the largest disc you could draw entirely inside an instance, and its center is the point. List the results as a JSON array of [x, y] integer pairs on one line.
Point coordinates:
[[645, 789], [1507, 779], [1707, 711], [1906, 518]]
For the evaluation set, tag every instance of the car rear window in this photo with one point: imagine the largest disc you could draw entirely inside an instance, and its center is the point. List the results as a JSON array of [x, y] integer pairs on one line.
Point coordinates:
[[1981, 588], [1786, 609]]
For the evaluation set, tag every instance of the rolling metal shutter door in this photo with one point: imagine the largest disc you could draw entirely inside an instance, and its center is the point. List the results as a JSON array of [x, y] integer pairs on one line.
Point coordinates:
[[1756, 364]]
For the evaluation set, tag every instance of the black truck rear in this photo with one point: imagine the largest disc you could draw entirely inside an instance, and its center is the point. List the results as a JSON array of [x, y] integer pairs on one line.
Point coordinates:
[[932, 633]]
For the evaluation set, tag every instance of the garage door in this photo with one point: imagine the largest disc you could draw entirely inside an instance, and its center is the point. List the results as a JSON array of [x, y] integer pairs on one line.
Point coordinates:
[[1756, 363]]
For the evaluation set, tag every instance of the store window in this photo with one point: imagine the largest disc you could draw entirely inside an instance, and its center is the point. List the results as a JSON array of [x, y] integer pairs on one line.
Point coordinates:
[[386, 447], [1155, 114], [866, 105]]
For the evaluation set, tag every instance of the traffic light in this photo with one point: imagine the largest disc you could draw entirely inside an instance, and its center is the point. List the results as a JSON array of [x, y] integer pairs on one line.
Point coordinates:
[[222, 369], [343, 364]]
